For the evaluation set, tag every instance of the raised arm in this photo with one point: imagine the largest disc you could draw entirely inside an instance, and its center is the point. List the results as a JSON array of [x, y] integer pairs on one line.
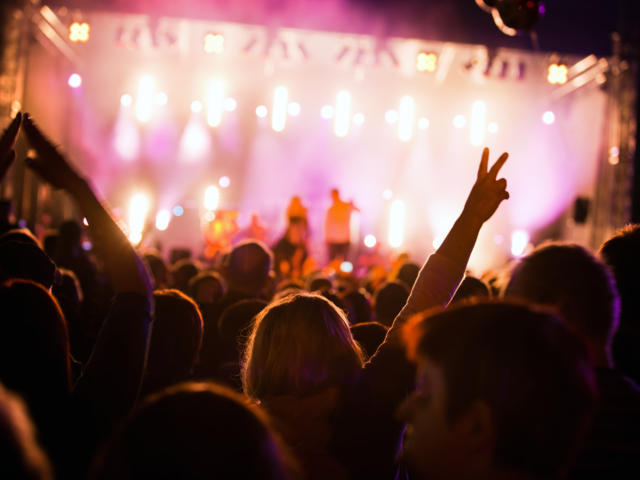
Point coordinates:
[[8, 139], [440, 276], [122, 264]]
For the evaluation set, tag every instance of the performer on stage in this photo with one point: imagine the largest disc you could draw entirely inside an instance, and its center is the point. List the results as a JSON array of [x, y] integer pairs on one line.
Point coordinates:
[[337, 228]]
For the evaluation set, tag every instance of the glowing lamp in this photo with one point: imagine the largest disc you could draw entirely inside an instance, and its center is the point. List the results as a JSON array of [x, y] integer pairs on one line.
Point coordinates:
[[79, 32], [557, 74], [74, 80], [214, 43], [426, 62], [370, 241]]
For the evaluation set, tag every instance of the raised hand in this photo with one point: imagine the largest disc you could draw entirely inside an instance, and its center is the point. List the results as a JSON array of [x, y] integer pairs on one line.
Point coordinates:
[[7, 153], [488, 191], [50, 164]]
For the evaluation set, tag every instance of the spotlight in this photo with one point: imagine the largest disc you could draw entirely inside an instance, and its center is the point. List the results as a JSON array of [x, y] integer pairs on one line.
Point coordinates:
[[138, 208], [346, 267], [548, 117], [211, 198], [423, 123], [459, 121], [126, 100], [427, 62], [230, 104], [343, 114], [224, 182], [327, 112], [478, 116], [163, 217], [405, 125], [196, 106], [214, 43], [161, 99], [358, 118], [144, 106], [391, 116], [519, 242], [279, 112], [79, 32], [261, 111], [215, 103], [370, 241], [557, 74], [396, 223], [178, 211], [493, 127], [75, 80], [294, 109]]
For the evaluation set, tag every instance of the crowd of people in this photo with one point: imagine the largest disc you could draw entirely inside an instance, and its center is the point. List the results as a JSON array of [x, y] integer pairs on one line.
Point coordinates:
[[118, 364]]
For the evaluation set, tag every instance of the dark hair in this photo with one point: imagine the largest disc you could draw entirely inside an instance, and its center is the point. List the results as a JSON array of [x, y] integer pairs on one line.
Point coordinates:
[[182, 272], [158, 268], [357, 306], [369, 336], [408, 273], [212, 278], [176, 339], [196, 431], [471, 287], [248, 266], [388, 300], [532, 372], [572, 280]]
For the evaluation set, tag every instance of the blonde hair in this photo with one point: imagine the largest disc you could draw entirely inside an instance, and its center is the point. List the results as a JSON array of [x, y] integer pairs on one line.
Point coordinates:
[[299, 345]]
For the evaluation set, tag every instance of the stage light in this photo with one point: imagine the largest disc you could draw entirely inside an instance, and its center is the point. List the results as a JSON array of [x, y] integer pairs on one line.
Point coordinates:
[[459, 121], [396, 223], [437, 240], [519, 242], [138, 209], [391, 116], [178, 211], [79, 32], [346, 267], [75, 80], [279, 112], [358, 119], [548, 117], [423, 123], [163, 217], [343, 114], [426, 62], [213, 43], [493, 127], [261, 111], [211, 198], [230, 104], [196, 106], [614, 155], [195, 142], [370, 241], [405, 125], [144, 106], [557, 74], [387, 194], [209, 216], [478, 117], [215, 103], [294, 109], [224, 182], [326, 112], [161, 99], [126, 100]]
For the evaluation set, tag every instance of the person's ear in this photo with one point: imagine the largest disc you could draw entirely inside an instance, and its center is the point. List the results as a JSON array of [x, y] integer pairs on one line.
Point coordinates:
[[476, 430]]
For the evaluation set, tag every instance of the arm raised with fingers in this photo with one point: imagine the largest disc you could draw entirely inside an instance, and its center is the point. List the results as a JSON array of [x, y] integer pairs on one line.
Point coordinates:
[[7, 141]]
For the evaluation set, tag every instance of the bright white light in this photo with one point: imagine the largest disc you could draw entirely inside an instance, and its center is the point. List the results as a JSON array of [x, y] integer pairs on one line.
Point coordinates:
[[437, 240], [279, 112], [387, 194], [195, 142], [161, 99], [211, 198], [126, 100], [358, 118], [224, 182], [261, 111], [493, 127], [558, 74], [343, 114], [85, 222], [294, 109], [405, 125], [135, 238], [478, 118], [163, 217], [370, 241], [519, 242], [213, 43], [196, 106], [230, 104], [144, 106], [346, 267], [391, 116], [75, 80], [326, 112], [215, 103], [138, 209], [423, 123], [396, 223], [548, 117], [459, 121], [209, 216], [126, 138]]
